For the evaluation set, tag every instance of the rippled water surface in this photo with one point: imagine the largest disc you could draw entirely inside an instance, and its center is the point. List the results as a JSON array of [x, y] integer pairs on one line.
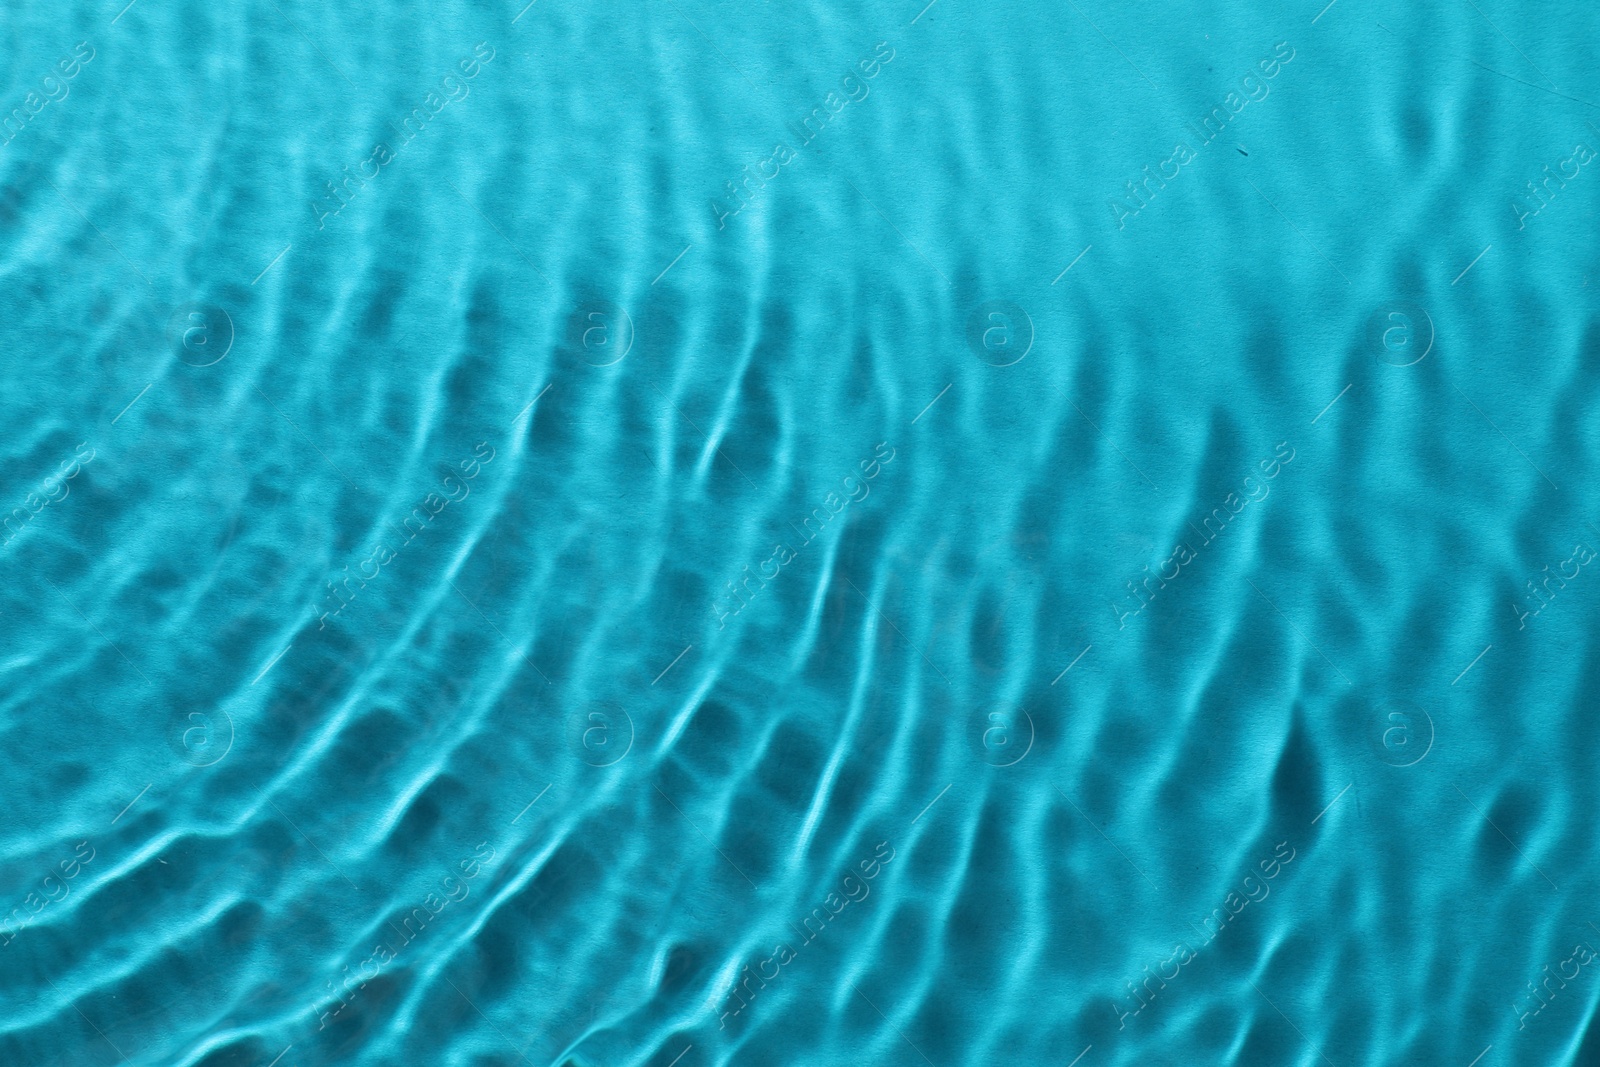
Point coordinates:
[[697, 533]]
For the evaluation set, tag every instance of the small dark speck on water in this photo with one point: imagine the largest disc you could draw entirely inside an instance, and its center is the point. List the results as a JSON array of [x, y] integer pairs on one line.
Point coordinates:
[[1242, 152]]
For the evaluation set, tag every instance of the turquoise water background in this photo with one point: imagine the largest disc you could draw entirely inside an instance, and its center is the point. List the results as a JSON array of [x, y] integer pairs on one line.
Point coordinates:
[[695, 533]]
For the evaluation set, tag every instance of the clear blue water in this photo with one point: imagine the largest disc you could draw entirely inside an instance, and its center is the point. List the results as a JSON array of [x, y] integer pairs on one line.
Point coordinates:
[[702, 533]]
